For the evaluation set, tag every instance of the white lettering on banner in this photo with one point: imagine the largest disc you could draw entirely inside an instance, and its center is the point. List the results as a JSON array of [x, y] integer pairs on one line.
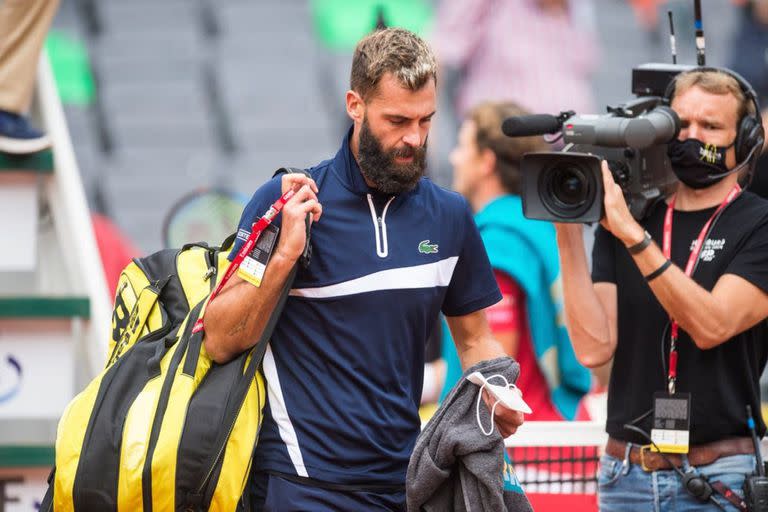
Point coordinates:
[[710, 247], [22, 489]]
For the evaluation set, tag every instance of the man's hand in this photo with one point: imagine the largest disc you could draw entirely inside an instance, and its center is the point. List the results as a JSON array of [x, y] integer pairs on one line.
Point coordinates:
[[507, 420], [617, 218], [293, 235]]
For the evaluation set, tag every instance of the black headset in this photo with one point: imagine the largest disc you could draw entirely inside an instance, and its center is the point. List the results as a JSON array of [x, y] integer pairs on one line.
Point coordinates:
[[750, 134]]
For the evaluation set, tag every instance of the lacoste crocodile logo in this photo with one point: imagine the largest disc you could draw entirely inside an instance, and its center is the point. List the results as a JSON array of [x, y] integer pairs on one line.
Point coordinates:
[[427, 248]]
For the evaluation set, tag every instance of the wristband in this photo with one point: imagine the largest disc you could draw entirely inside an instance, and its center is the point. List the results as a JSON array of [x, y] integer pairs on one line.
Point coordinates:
[[656, 273], [645, 242]]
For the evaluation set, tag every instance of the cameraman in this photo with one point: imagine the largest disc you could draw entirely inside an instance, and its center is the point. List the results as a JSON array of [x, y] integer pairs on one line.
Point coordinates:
[[625, 310]]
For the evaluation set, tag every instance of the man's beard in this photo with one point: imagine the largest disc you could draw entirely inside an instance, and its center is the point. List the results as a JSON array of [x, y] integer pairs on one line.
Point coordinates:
[[380, 169]]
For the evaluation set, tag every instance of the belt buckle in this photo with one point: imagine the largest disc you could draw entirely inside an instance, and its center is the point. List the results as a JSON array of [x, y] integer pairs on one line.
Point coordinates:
[[643, 449]]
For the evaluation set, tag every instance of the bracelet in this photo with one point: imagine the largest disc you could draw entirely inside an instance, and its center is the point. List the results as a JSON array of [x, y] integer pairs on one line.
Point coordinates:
[[645, 242], [656, 273]]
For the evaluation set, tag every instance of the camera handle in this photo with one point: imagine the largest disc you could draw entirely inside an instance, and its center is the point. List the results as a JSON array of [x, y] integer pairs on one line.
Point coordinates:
[[635, 107]]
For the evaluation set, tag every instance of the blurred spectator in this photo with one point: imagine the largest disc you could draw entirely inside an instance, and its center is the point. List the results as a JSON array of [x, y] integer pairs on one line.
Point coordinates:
[[528, 321], [749, 47], [23, 27], [759, 184], [749, 58], [538, 53]]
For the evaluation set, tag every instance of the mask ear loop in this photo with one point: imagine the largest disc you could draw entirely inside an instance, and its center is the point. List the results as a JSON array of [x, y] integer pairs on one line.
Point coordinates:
[[493, 408]]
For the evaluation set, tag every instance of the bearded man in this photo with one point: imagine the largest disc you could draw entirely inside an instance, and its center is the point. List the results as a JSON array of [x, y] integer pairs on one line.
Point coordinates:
[[345, 367]]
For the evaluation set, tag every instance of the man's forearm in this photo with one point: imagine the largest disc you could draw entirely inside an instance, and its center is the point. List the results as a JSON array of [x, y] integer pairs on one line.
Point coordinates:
[[473, 338], [695, 309], [235, 319], [479, 349], [587, 322]]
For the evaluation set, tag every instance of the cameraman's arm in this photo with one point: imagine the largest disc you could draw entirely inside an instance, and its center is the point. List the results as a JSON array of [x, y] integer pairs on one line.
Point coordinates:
[[590, 310], [709, 318], [235, 319]]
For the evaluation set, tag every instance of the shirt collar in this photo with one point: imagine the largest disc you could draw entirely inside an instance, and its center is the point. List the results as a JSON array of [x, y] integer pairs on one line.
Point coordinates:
[[348, 170]]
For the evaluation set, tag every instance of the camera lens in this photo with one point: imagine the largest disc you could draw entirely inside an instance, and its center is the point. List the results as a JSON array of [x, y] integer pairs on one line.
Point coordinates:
[[567, 190], [569, 186]]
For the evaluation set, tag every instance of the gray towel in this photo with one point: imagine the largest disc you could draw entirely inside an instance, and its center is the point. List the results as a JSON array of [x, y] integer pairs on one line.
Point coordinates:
[[454, 467]]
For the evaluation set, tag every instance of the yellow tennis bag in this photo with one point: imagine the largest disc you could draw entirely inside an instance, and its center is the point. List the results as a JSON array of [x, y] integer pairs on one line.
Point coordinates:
[[163, 427]]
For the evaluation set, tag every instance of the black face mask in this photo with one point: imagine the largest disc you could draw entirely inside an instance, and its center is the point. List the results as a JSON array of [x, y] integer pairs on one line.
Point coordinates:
[[696, 164]]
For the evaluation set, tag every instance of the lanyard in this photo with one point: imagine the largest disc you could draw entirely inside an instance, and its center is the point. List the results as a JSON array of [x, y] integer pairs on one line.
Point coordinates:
[[256, 230], [693, 257]]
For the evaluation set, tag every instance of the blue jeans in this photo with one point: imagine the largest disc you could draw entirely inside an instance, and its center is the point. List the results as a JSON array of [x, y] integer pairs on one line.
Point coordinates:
[[625, 487]]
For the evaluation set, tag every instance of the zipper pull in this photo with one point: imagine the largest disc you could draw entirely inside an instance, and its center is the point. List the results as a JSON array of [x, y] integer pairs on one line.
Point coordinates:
[[211, 270]]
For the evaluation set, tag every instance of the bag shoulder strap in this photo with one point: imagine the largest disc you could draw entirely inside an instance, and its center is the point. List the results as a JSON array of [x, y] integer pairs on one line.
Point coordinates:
[[201, 495], [196, 499]]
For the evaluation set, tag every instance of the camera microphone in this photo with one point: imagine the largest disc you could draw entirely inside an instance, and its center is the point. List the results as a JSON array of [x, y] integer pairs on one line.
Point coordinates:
[[535, 124]]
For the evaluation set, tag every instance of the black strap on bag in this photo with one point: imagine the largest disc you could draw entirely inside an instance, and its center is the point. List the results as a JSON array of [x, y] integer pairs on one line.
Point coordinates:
[[204, 491]]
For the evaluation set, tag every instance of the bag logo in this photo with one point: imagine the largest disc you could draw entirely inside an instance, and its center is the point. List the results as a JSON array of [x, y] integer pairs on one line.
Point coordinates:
[[120, 314], [427, 248]]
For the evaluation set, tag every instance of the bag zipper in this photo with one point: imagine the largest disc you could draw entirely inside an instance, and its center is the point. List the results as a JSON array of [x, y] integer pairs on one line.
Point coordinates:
[[211, 259]]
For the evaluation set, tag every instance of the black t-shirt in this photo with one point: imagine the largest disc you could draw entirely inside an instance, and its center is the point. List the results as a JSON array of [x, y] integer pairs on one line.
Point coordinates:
[[723, 380]]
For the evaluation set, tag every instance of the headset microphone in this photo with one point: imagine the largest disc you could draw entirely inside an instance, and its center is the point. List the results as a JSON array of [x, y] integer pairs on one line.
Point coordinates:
[[740, 166]]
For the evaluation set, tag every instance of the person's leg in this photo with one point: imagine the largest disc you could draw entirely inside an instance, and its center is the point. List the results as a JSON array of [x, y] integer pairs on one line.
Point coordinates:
[[625, 487], [23, 27]]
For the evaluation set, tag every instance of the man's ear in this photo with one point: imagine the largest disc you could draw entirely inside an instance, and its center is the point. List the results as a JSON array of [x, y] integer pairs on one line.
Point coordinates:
[[487, 162], [355, 106]]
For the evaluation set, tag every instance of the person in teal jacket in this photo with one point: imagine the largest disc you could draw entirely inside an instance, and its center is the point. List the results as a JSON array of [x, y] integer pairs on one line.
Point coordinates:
[[529, 320]]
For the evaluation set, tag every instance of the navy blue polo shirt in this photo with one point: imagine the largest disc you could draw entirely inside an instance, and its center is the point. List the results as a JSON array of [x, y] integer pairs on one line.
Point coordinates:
[[345, 366]]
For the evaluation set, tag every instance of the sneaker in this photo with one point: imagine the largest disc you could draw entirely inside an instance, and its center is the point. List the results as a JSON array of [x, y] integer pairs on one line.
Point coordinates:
[[18, 137]]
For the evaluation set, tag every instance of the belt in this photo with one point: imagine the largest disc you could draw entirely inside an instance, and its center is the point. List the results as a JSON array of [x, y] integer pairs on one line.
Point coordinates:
[[698, 455]]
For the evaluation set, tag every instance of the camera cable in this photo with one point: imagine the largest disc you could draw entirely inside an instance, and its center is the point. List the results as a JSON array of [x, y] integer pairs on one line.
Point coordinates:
[[694, 484]]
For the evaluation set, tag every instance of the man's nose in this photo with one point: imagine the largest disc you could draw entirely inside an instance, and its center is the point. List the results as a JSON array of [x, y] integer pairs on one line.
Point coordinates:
[[412, 138], [693, 131]]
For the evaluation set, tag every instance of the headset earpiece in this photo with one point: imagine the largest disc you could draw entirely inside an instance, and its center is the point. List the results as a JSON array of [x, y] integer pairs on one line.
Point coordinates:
[[750, 135]]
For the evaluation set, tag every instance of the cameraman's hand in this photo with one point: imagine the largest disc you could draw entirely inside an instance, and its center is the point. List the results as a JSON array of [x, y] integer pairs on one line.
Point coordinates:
[[617, 218], [293, 235]]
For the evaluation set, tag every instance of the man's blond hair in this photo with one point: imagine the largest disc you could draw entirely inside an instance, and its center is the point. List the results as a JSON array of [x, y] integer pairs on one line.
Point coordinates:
[[392, 50], [715, 82], [487, 118]]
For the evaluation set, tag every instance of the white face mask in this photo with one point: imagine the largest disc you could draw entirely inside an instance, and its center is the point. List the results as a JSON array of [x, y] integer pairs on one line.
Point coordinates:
[[508, 395]]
